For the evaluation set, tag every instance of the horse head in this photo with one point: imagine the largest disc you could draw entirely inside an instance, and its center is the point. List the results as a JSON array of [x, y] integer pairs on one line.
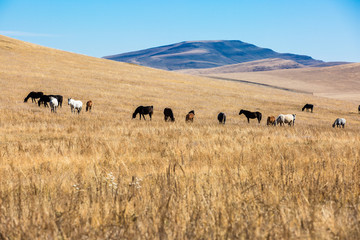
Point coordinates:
[[69, 100], [241, 112]]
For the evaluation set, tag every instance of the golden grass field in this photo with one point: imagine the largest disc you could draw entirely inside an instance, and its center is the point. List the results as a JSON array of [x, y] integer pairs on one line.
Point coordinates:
[[338, 82], [102, 175]]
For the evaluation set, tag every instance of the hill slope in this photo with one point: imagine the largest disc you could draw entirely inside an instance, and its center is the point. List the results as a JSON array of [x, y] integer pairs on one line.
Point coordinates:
[[340, 82], [205, 54], [103, 175], [268, 64]]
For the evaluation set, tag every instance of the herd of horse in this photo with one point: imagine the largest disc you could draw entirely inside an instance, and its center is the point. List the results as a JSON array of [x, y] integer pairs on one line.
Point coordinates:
[[76, 105], [281, 120], [55, 101]]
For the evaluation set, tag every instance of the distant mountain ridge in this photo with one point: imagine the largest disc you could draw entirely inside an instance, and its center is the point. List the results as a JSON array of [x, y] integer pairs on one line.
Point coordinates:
[[206, 54]]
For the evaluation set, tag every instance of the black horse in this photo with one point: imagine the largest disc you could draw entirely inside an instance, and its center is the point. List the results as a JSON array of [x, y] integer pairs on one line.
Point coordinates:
[[142, 111], [359, 108], [222, 118], [307, 107], [251, 115], [168, 115], [33, 96], [46, 98]]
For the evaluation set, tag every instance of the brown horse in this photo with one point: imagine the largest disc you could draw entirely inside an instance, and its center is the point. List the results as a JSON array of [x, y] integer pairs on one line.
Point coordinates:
[[190, 116], [89, 105], [270, 120]]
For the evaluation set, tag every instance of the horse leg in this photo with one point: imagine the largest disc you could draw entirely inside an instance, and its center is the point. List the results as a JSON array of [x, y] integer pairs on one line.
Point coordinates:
[[248, 120], [150, 116]]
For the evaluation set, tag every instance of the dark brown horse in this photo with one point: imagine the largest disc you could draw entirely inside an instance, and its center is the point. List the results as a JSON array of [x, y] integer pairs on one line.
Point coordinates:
[[33, 96], [142, 111], [168, 115], [251, 115], [89, 105], [222, 118], [307, 107], [190, 116]]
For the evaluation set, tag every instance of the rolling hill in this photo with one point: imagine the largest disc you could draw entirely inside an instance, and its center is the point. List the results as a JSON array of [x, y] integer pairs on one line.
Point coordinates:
[[205, 54], [340, 82], [104, 175]]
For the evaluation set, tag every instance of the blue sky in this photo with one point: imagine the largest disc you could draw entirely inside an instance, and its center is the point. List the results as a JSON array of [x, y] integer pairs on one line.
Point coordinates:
[[324, 29]]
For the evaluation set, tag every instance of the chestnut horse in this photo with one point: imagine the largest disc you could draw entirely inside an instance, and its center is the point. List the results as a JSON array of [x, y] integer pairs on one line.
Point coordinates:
[[89, 105], [270, 120], [190, 116]]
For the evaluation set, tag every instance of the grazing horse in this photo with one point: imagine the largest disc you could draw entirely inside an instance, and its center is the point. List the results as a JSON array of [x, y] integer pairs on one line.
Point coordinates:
[[59, 98], [221, 118], [44, 99], [285, 118], [270, 120], [53, 104], [339, 122], [307, 107], [251, 115], [168, 115], [89, 105], [33, 96], [190, 116], [75, 105], [142, 111]]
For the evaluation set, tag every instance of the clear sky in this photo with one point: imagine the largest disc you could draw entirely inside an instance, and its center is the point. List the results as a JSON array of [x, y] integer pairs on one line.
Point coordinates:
[[328, 30]]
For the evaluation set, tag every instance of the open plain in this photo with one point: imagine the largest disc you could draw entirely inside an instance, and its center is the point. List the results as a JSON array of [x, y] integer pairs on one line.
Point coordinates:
[[103, 175]]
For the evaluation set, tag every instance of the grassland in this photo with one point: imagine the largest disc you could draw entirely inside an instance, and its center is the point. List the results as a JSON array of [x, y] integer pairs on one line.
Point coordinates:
[[102, 175], [337, 82]]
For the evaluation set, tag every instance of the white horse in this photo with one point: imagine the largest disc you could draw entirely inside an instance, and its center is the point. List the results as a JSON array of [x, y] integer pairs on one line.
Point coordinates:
[[285, 118], [75, 105], [339, 122], [53, 104]]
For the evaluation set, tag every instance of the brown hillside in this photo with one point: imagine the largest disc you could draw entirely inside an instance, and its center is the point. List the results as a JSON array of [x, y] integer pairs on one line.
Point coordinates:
[[103, 175], [339, 82]]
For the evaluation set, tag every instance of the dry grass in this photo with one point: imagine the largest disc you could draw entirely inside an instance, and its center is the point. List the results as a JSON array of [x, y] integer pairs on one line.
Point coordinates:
[[105, 176], [338, 82]]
